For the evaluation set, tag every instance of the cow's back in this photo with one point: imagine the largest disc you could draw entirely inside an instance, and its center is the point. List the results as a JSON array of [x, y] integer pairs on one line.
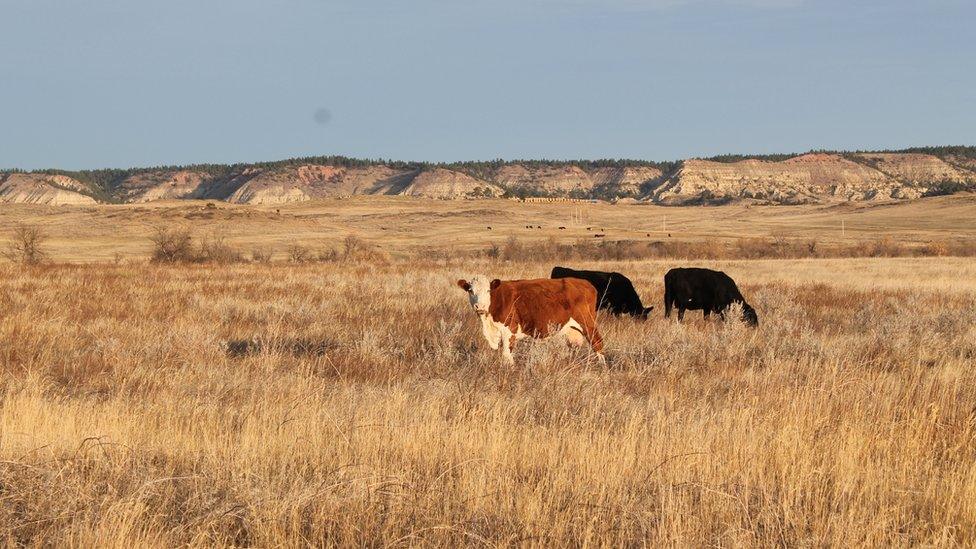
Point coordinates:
[[701, 285], [538, 304], [614, 290]]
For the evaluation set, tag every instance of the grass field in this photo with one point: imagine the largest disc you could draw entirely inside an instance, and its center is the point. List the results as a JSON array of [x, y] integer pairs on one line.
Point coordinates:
[[356, 403], [407, 227]]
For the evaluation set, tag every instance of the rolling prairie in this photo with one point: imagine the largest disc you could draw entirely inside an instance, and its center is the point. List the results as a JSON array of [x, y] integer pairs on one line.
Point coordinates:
[[355, 402], [406, 227]]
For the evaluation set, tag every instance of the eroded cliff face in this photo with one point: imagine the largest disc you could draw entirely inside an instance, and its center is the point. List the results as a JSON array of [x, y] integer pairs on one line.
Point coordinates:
[[917, 169], [625, 182], [558, 180], [449, 185], [292, 184], [802, 179], [53, 190], [163, 185], [815, 177]]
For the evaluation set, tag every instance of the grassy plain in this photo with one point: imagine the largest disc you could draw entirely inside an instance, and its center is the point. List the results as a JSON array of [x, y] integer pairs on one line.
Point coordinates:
[[405, 226], [355, 403]]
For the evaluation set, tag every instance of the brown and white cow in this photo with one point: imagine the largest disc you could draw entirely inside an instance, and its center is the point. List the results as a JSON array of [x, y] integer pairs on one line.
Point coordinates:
[[514, 309]]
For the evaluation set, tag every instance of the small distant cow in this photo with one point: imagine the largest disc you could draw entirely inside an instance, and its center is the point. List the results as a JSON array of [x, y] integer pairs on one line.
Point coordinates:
[[515, 309], [706, 290], [562, 228], [599, 235], [489, 228], [615, 292]]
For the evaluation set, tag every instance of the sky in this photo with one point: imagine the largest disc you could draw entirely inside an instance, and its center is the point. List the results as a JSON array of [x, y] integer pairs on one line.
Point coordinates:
[[122, 83]]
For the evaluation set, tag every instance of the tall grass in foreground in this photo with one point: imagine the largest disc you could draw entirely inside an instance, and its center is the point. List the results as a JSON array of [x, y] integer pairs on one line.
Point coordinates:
[[358, 405]]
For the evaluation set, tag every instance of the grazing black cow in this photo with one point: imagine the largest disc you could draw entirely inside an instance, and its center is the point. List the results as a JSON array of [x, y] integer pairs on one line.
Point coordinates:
[[614, 291], [706, 290]]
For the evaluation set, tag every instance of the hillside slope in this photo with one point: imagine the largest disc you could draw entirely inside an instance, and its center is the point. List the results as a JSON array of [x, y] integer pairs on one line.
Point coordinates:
[[807, 178], [819, 177], [52, 190], [446, 184]]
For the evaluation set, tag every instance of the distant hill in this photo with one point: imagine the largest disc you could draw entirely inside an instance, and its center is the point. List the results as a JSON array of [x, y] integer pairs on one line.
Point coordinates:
[[818, 176]]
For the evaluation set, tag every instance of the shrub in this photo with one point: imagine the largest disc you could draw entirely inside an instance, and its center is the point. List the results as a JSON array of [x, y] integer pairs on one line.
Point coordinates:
[[352, 246], [216, 250], [261, 255], [512, 250], [493, 251], [27, 245], [357, 249], [172, 245], [299, 254], [329, 255]]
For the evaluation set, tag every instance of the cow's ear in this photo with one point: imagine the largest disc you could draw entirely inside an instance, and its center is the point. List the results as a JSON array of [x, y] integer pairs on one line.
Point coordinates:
[[463, 284], [495, 283]]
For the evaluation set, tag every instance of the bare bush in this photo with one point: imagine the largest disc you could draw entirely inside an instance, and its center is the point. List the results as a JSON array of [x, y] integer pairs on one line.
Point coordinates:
[[26, 246], [513, 249], [329, 255], [299, 254], [493, 251], [936, 249], [216, 250], [261, 255], [357, 249], [352, 245], [962, 247], [172, 245]]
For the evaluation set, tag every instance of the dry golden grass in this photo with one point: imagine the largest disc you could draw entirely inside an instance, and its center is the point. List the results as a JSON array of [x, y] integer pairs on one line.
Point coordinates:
[[356, 404], [404, 227]]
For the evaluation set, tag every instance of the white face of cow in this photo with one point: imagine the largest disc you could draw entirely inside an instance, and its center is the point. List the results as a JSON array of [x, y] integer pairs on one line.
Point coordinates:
[[479, 293]]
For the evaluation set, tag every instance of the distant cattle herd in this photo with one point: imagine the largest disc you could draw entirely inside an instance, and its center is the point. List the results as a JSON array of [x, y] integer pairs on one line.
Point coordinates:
[[566, 303]]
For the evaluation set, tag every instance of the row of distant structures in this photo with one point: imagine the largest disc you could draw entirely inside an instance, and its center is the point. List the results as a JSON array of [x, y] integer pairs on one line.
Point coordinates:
[[557, 199]]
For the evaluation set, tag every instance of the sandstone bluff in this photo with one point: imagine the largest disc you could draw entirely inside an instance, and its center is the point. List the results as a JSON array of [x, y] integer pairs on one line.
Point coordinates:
[[820, 177]]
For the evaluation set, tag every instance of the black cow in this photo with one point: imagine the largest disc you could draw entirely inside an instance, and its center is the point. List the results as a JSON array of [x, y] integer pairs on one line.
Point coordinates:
[[614, 291], [706, 290]]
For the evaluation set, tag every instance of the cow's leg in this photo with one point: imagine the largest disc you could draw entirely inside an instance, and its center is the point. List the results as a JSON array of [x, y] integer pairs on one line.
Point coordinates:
[[706, 312], [508, 345], [668, 302], [593, 336], [681, 313]]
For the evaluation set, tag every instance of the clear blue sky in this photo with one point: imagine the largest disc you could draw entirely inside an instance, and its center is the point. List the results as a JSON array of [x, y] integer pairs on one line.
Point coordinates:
[[131, 83]]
